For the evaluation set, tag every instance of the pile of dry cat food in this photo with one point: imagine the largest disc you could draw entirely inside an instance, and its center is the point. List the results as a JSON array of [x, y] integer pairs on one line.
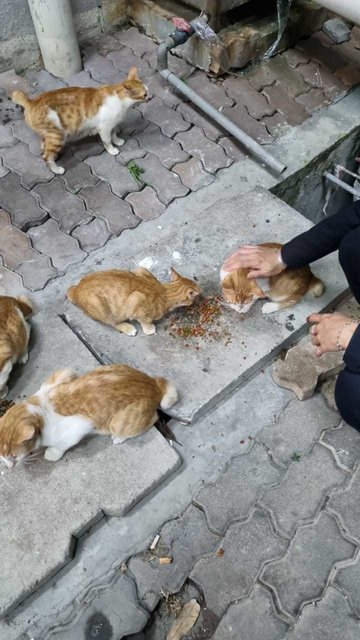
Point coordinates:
[[202, 320], [4, 406]]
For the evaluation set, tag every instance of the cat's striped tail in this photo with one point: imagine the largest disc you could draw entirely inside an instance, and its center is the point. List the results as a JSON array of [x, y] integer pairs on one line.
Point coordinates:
[[169, 391], [316, 286], [19, 97]]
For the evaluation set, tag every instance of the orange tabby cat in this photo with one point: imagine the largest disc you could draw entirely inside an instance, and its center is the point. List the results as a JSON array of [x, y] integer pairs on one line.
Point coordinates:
[[77, 112], [114, 296], [14, 336], [114, 400], [283, 290]]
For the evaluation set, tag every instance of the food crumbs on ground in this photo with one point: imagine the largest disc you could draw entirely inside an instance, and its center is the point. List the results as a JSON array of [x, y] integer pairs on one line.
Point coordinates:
[[4, 406], [165, 560], [200, 321]]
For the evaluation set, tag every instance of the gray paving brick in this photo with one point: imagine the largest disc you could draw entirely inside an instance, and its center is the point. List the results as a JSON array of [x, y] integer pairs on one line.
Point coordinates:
[[294, 57], [235, 492], [61, 248], [348, 580], [10, 81], [87, 147], [179, 66], [344, 442], [157, 86], [125, 59], [6, 136], [63, 206], [15, 246], [167, 150], [3, 170], [169, 121], [329, 57], [330, 619], [233, 149], [320, 78], [93, 235], [252, 619], [9, 112], [22, 205], [37, 272], [280, 100], [146, 204], [254, 128], [77, 174], [297, 429], [301, 493], [185, 540], [43, 80], [133, 123], [166, 183], [192, 174], [102, 203], [31, 169], [107, 43], [211, 91], [276, 124], [112, 611], [82, 79], [23, 132], [131, 150], [196, 117], [10, 283], [211, 155], [241, 91], [100, 68], [244, 549], [118, 176], [349, 75], [313, 100], [345, 504], [302, 574], [136, 41]]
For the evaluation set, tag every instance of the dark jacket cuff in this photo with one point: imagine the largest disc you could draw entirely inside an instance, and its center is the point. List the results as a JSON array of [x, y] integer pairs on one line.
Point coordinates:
[[352, 352]]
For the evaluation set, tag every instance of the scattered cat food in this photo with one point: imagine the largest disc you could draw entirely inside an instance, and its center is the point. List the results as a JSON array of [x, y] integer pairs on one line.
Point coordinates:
[[220, 553], [123, 567], [4, 406], [154, 542], [201, 320], [165, 560]]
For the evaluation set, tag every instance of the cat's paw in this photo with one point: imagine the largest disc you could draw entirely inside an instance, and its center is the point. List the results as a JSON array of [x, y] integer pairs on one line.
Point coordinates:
[[4, 391], [59, 171], [53, 454], [112, 150], [118, 440], [24, 358], [118, 141], [149, 330], [270, 307]]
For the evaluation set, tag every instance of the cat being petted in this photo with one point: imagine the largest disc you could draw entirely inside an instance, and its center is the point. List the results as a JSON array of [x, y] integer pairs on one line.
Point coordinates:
[[114, 400], [14, 336], [115, 297], [283, 290], [73, 113]]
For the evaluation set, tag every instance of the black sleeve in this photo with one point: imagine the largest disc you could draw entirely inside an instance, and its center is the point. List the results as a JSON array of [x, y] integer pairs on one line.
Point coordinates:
[[352, 352], [322, 239]]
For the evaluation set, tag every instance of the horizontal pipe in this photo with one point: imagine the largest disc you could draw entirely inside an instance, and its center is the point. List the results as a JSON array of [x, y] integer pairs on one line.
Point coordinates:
[[348, 9], [342, 184], [254, 147]]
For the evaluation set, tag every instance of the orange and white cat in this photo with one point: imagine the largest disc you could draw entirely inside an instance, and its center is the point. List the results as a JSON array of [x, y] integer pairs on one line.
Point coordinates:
[[283, 290], [73, 113], [114, 400], [112, 297], [14, 336]]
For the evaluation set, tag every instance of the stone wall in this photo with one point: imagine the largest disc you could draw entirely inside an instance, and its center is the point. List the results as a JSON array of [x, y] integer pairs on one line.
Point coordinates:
[[18, 43]]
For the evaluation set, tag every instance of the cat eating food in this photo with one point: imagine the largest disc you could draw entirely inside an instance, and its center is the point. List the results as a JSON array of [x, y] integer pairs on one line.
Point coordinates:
[[73, 113], [114, 400], [114, 297], [14, 336], [283, 290]]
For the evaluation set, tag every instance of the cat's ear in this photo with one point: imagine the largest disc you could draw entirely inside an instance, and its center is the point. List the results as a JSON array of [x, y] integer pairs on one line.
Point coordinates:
[[25, 433], [174, 275], [133, 74]]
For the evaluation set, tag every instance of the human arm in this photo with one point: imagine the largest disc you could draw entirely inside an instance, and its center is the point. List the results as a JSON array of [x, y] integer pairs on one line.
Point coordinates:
[[336, 332]]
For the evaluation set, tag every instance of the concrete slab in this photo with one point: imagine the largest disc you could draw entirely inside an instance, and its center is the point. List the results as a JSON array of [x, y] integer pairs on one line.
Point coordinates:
[[45, 506], [204, 370]]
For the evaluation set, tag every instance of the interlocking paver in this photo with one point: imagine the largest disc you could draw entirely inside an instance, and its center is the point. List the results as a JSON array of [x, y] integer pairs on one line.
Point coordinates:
[[177, 65], [37, 272], [166, 183], [146, 204], [125, 59], [21, 204], [345, 503], [10, 283], [108, 43], [355, 37], [131, 150], [10, 81], [233, 149], [118, 176], [349, 53], [3, 170], [330, 619], [157, 86], [276, 124], [313, 100], [9, 112], [297, 429], [186, 539], [167, 150], [101, 202], [31, 169], [344, 442], [60, 247], [244, 549], [252, 619], [133, 123], [88, 147], [211, 155], [280, 100], [328, 57], [320, 78], [241, 91], [82, 79], [62, 205], [192, 174], [294, 57], [23, 132], [193, 115], [302, 574], [349, 75], [6, 136], [300, 494], [15, 246], [136, 41], [100, 68], [348, 579], [169, 121], [235, 492], [43, 80], [77, 174], [211, 91], [93, 235], [252, 127]]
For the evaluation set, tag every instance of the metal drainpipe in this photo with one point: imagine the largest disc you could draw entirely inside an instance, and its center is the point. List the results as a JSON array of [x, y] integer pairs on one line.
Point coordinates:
[[180, 37], [56, 35]]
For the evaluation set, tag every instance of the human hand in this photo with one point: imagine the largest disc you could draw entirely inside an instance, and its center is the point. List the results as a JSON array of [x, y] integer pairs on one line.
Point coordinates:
[[262, 261], [331, 331]]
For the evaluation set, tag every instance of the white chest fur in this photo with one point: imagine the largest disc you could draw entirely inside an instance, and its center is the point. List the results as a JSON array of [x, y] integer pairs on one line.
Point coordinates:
[[110, 114]]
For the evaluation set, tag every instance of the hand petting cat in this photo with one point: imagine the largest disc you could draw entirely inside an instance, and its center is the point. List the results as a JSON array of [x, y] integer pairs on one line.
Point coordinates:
[[263, 262]]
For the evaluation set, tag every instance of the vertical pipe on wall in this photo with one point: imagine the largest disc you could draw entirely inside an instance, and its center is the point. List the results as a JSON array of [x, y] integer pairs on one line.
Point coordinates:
[[56, 35]]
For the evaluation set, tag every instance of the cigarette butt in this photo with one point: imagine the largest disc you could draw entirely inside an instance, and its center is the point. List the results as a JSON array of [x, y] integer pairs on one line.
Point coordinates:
[[165, 560], [154, 542]]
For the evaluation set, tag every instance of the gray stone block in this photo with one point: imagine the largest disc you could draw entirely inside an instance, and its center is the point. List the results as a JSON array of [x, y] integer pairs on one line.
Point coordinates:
[[348, 579], [344, 443], [337, 30], [236, 490], [345, 503], [301, 576], [229, 573], [300, 494], [297, 429], [252, 619], [210, 369]]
